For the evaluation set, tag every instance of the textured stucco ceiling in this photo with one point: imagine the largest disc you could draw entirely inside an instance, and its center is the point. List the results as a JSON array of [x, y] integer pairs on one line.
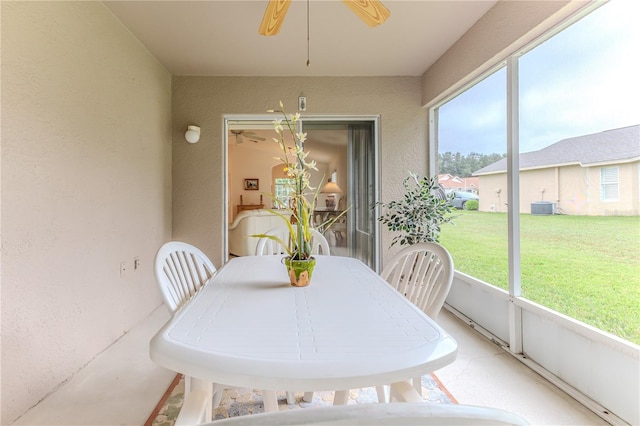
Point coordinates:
[[220, 38]]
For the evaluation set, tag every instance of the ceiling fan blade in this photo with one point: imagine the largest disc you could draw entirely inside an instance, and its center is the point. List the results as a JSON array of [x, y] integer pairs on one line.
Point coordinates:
[[252, 135], [273, 17], [372, 12]]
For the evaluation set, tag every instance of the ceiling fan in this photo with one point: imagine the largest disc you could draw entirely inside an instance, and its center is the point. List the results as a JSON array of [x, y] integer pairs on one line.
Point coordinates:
[[372, 12], [241, 134]]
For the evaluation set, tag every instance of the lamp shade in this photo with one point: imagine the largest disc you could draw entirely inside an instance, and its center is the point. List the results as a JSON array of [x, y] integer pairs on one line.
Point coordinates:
[[331, 188]]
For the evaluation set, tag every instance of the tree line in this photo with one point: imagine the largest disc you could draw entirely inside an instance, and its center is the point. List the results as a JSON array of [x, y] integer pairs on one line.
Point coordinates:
[[460, 165]]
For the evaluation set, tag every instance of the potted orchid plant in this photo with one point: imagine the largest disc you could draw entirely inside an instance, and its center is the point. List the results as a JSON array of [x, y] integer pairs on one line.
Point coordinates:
[[299, 213]]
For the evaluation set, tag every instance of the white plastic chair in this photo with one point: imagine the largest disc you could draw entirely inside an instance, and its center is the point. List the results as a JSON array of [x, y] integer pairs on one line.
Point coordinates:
[[266, 246], [339, 227], [181, 270], [399, 413], [423, 272]]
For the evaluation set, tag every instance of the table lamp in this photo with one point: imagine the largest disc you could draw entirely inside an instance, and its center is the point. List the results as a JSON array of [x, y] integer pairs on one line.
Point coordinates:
[[332, 189]]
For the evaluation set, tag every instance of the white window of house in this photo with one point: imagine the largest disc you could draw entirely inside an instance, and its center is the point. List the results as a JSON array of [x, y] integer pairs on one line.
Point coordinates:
[[609, 183], [571, 88]]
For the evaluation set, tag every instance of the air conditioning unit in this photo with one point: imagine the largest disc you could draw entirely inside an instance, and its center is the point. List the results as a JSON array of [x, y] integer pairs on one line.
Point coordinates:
[[542, 208]]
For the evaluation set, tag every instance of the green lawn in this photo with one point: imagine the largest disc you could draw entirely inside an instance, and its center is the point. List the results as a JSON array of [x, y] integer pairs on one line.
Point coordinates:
[[586, 267]]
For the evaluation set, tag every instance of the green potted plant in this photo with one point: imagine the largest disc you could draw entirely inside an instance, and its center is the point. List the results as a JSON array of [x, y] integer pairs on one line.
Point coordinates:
[[299, 214], [419, 214]]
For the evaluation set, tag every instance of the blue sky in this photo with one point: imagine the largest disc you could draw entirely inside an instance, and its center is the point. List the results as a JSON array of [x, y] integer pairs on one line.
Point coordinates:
[[584, 80]]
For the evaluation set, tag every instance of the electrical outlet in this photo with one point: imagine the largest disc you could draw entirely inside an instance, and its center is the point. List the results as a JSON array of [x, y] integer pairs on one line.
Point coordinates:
[[123, 269], [136, 263]]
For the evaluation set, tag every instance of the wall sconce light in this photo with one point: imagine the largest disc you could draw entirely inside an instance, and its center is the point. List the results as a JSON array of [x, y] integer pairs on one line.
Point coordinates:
[[192, 135]]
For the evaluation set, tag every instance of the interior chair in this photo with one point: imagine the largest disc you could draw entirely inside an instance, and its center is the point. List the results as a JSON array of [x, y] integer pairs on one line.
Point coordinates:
[[339, 227], [181, 270], [399, 413], [266, 246], [423, 272]]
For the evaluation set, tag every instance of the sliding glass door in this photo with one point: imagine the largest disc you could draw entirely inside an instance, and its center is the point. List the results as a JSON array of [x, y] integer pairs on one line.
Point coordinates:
[[346, 154], [345, 151], [362, 161]]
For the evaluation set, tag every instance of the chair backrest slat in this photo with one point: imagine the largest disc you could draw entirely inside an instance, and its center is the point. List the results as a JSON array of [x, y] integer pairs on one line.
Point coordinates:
[[190, 272]]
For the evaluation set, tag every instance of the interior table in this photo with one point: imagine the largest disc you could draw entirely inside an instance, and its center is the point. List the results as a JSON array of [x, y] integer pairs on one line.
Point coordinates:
[[248, 327]]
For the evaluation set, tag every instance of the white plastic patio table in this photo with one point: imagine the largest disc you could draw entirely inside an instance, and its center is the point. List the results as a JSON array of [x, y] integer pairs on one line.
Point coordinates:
[[248, 327]]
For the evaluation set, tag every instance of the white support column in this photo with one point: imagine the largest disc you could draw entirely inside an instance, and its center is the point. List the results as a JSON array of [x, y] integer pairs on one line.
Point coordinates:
[[513, 194]]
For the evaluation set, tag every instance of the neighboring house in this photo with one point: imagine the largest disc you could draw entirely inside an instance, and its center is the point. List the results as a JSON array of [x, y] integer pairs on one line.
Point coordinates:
[[593, 175], [455, 183]]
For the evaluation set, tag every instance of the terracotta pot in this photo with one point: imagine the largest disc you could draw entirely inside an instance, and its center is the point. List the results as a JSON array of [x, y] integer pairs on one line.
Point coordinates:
[[300, 271]]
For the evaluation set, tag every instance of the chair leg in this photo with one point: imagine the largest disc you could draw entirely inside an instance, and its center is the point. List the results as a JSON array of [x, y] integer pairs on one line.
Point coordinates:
[[217, 394], [204, 390], [291, 398], [308, 396], [417, 384], [340, 397], [270, 401], [381, 390], [187, 385], [404, 392], [194, 409]]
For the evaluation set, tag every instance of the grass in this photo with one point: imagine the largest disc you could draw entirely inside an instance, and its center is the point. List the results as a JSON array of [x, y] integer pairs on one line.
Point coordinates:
[[586, 267]]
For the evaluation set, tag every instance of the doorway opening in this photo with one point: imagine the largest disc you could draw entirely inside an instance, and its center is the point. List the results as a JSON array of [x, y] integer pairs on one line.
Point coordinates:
[[345, 149]]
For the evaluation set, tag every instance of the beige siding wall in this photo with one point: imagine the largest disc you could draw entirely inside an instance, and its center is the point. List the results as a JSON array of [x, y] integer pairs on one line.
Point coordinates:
[[86, 160], [492, 190], [574, 189], [532, 183]]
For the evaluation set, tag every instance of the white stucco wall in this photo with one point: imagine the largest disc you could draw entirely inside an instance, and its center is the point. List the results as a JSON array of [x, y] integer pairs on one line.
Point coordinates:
[[86, 119]]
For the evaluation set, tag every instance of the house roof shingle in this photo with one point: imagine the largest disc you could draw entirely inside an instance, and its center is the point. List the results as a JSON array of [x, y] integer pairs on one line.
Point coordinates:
[[609, 146]]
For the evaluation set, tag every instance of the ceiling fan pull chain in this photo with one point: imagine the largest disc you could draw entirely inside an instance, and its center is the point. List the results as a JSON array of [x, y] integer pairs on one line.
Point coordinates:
[[308, 55]]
